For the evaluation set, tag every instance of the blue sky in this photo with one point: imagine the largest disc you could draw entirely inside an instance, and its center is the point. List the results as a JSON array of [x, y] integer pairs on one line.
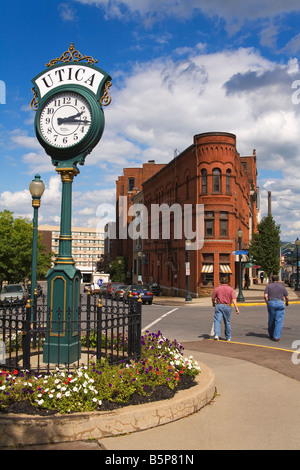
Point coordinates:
[[178, 68]]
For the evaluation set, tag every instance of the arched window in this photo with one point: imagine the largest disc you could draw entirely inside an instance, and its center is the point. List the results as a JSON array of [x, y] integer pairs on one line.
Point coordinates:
[[228, 174], [204, 181], [216, 180]]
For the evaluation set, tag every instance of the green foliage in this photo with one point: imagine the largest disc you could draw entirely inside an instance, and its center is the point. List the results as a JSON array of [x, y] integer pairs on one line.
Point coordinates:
[[117, 268], [16, 249], [265, 245], [84, 389]]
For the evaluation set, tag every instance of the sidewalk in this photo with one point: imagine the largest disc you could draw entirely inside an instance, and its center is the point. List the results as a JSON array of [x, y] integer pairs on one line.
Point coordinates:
[[258, 411], [255, 294], [256, 406]]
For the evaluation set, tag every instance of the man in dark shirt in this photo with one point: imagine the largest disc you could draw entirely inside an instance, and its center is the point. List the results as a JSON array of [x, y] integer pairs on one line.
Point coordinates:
[[275, 295]]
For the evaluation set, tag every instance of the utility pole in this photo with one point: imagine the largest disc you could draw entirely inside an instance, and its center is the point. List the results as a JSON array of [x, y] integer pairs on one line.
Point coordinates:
[[269, 204]]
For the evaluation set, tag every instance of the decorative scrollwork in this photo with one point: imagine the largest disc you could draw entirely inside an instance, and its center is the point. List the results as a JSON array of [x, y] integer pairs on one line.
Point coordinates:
[[72, 55], [34, 102], [106, 98]]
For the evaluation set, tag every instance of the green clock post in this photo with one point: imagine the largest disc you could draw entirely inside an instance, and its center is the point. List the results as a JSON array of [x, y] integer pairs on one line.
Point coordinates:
[[69, 122]]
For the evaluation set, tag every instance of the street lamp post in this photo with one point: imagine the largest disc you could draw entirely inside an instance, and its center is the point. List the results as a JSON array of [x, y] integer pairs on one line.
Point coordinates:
[[188, 297], [140, 268], [297, 243], [36, 188], [240, 297], [119, 263]]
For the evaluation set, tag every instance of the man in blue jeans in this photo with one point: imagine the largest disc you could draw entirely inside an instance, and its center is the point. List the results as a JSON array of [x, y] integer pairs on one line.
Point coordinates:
[[222, 297], [275, 296]]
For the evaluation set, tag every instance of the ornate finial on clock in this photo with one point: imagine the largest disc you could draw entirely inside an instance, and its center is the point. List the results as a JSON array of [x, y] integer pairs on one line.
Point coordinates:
[[72, 55]]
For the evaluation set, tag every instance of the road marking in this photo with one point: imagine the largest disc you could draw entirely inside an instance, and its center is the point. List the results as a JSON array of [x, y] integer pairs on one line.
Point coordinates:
[[257, 345], [158, 319]]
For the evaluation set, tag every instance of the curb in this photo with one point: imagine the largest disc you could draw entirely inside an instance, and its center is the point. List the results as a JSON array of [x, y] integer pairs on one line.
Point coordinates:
[[20, 430]]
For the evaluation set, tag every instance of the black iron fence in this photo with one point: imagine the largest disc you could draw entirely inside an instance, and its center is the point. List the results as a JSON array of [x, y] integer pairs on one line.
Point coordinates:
[[106, 329]]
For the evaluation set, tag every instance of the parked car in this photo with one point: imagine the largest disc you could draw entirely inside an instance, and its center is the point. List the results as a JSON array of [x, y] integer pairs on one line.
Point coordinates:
[[102, 289], [111, 286], [119, 292], [136, 290], [13, 294], [38, 287]]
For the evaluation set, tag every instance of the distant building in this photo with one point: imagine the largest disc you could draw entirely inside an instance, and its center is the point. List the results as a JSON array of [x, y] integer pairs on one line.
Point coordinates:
[[87, 246], [127, 186]]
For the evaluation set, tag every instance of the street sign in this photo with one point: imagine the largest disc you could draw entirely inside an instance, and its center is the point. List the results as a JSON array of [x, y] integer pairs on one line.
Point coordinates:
[[240, 252]]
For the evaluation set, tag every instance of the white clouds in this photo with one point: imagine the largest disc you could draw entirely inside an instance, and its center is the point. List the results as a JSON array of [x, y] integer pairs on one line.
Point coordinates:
[[66, 12], [233, 11], [162, 104]]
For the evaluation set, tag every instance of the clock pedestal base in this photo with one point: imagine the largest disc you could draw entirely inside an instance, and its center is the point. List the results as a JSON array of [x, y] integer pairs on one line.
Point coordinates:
[[63, 338], [62, 345]]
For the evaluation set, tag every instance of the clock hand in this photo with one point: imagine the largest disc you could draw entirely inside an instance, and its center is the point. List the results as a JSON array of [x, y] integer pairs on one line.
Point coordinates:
[[68, 119], [75, 115], [80, 121]]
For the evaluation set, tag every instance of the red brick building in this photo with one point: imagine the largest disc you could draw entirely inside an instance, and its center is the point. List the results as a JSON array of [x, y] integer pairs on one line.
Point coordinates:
[[210, 173], [127, 187]]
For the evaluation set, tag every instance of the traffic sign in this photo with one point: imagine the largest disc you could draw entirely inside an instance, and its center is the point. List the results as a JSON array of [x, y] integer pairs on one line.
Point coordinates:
[[240, 252]]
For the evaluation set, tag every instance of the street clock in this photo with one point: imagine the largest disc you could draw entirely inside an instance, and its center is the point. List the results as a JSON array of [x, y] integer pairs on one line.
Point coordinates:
[[68, 99]]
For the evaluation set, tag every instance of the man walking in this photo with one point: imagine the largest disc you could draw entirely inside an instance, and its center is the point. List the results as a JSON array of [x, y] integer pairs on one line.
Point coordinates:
[[222, 297], [275, 295]]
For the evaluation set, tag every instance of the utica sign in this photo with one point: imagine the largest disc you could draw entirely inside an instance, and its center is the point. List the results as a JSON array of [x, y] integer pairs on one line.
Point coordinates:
[[70, 74]]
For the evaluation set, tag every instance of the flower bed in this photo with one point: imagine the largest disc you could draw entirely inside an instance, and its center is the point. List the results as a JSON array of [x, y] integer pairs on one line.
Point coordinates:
[[161, 366]]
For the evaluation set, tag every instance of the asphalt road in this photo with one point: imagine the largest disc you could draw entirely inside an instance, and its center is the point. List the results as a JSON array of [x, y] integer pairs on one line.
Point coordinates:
[[194, 323], [191, 326]]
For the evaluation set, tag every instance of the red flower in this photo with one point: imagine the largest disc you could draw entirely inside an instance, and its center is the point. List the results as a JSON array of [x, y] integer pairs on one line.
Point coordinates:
[[16, 372]]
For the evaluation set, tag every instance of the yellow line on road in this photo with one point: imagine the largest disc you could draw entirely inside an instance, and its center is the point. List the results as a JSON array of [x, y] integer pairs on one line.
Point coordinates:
[[249, 344], [250, 304]]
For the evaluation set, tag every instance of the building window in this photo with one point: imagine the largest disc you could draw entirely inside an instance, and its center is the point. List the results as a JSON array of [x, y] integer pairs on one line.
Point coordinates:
[[224, 216], [209, 222], [203, 181], [187, 187], [216, 180], [130, 184], [228, 174]]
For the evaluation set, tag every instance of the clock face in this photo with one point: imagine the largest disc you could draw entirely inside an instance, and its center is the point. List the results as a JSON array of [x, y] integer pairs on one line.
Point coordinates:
[[65, 119]]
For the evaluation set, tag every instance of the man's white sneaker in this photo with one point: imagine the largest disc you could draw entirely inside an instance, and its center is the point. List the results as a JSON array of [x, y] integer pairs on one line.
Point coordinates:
[[216, 338]]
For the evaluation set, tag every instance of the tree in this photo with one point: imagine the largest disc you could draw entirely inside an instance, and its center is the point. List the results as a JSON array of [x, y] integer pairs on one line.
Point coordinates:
[[265, 245], [16, 249]]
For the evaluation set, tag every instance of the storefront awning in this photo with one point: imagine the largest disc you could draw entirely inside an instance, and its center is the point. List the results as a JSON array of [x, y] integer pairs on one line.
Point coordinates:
[[225, 269], [244, 258], [207, 268]]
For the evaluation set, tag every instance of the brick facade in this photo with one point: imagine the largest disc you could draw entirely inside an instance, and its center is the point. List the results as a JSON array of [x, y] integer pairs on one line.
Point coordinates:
[[128, 185], [212, 173]]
